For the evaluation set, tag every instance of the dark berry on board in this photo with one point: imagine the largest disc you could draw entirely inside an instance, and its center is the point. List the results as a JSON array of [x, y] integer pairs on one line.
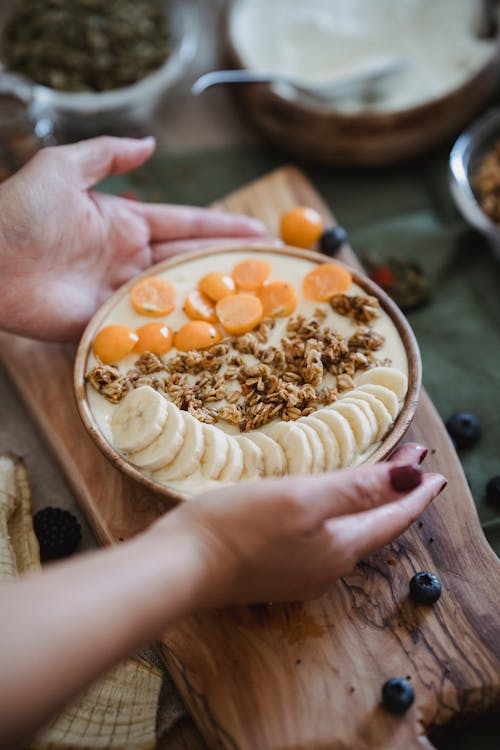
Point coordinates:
[[397, 695], [493, 491], [332, 239], [58, 533], [425, 587], [464, 429]]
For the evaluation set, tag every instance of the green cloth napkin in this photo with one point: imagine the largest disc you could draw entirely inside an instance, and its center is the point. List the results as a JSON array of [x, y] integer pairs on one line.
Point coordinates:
[[405, 212]]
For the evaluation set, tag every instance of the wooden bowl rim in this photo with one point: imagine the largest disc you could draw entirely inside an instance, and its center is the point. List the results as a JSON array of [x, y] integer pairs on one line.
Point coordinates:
[[398, 430], [370, 118]]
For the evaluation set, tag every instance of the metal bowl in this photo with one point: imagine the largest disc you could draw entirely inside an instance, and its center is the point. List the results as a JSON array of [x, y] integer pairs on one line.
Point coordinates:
[[465, 158], [128, 110]]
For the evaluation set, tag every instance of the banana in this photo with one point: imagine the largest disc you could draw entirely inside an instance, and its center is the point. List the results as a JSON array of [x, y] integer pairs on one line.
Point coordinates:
[[166, 446], [216, 452], [295, 445], [138, 419], [389, 377], [358, 421], [328, 439], [189, 457], [234, 467], [316, 445], [274, 458], [368, 412], [343, 433], [381, 413], [253, 458], [383, 394]]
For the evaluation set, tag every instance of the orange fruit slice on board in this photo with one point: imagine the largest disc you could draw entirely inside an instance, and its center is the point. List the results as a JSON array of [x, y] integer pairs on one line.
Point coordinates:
[[278, 298], [197, 334], [200, 307], [250, 274], [301, 226], [239, 313], [154, 337], [114, 342], [153, 296], [217, 286], [325, 280]]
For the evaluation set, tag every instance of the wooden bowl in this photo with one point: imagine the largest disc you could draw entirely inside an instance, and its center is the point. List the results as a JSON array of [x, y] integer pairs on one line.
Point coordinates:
[[371, 139], [399, 428]]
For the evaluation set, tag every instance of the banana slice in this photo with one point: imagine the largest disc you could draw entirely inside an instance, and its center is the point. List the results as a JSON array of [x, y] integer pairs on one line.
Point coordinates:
[[343, 433], [215, 454], [383, 394], [316, 445], [274, 458], [382, 415], [253, 458], [386, 376], [330, 443], [139, 419], [234, 466], [360, 424], [166, 446], [189, 457], [365, 408], [295, 444]]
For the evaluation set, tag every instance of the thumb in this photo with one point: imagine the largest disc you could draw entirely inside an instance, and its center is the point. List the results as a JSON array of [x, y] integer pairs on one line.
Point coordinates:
[[97, 158]]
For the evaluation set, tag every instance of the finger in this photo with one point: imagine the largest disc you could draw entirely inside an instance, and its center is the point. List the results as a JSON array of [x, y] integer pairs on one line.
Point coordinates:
[[409, 453], [169, 222], [97, 158], [354, 490], [163, 250], [366, 532]]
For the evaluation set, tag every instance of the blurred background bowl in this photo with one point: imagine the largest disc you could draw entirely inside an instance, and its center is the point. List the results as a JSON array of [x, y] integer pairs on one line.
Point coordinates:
[[129, 110], [465, 159], [365, 138]]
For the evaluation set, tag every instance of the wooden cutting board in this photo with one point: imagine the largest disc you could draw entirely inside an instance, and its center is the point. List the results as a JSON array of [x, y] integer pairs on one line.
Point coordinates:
[[307, 676]]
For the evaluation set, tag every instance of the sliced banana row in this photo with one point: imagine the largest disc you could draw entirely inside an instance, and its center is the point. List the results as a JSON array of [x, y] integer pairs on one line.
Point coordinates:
[[158, 437]]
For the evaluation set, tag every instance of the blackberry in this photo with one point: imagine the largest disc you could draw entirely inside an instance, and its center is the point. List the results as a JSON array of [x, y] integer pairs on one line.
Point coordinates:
[[58, 533], [332, 239], [397, 695], [464, 429], [425, 587], [493, 491]]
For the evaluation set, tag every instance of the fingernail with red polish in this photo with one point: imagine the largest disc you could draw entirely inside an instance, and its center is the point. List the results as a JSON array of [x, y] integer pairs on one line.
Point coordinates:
[[423, 453], [404, 478], [442, 486]]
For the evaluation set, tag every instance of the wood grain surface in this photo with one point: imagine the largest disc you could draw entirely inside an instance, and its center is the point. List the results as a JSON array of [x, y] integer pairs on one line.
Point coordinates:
[[307, 676]]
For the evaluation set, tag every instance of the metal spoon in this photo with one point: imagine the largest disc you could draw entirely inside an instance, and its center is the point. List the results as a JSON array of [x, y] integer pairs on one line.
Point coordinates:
[[359, 79]]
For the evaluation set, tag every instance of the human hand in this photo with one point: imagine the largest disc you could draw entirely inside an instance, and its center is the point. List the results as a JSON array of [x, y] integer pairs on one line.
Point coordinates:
[[65, 248], [289, 539]]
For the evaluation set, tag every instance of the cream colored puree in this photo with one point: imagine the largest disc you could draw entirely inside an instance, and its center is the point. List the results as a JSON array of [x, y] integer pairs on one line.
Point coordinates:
[[185, 278]]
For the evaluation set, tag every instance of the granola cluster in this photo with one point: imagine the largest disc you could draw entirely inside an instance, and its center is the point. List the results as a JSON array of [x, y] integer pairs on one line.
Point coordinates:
[[248, 381], [486, 183]]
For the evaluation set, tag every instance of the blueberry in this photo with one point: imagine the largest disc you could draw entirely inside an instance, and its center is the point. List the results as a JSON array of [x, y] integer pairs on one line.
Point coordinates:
[[397, 695], [331, 240], [425, 588], [464, 429], [493, 491]]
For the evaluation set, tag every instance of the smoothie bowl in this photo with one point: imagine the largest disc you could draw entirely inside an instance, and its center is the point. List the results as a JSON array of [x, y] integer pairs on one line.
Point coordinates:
[[245, 362]]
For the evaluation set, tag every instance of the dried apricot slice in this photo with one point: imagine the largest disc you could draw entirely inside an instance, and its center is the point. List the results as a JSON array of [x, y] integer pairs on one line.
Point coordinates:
[[278, 298], [217, 285], [200, 307], [114, 342], [325, 280], [301, 226], [154, 337], [153, 296], [250, 274], [197, 334], [239, 313]]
